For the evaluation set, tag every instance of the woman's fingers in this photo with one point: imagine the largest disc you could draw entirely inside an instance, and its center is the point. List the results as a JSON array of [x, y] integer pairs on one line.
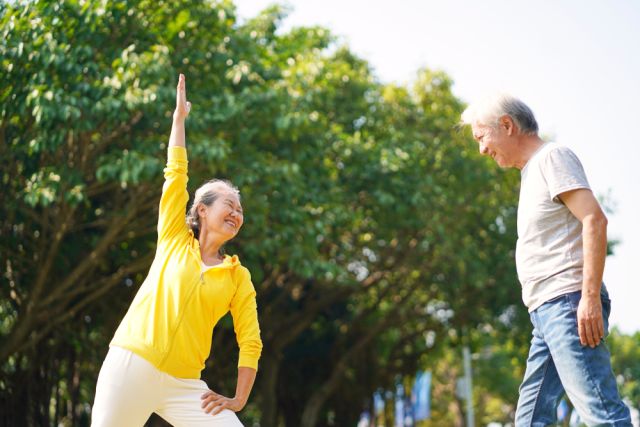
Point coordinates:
[[210, 406], [181, 92], [207, 394], [181, 83], [182, 106], [214, 403], [210, 400], [216, 409]]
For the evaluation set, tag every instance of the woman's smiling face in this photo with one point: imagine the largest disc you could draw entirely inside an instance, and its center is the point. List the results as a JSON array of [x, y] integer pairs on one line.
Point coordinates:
[[224, 216]]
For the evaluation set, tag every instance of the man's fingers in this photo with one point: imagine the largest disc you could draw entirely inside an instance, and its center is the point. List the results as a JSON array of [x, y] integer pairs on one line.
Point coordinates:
[[598, 331], [581, 333], [591, 333], [587, 333], [601, 329]]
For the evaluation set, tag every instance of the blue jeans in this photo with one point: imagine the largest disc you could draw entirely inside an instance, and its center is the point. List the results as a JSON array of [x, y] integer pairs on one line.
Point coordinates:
[[557, 363]]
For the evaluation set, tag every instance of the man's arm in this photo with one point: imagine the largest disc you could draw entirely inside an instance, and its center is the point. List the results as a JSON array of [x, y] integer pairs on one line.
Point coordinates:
[[584, 206]]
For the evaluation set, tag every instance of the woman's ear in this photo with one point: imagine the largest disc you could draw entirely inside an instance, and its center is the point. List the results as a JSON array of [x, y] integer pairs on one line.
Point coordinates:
[[202, 210]]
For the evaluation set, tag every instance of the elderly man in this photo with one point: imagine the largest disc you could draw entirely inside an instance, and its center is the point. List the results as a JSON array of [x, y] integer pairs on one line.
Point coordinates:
[[562, 240]]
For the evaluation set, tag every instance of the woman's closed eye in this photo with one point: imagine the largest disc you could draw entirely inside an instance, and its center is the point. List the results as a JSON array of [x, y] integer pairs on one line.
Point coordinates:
[[231, 206]]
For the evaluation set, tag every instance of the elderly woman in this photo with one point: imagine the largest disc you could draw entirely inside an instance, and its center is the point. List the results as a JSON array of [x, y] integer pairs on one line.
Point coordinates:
[[157, 353]]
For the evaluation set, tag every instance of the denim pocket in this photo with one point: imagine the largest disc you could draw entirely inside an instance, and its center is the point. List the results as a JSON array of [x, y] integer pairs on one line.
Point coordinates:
[[573, 299], [603, 290], [606, 306], [606, 311]]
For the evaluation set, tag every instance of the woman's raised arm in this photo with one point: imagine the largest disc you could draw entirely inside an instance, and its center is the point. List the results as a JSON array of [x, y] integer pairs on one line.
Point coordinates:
[[173, 203]]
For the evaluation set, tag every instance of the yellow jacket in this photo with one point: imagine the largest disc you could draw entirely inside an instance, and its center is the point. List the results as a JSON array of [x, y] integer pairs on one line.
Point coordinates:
[[171, 318]]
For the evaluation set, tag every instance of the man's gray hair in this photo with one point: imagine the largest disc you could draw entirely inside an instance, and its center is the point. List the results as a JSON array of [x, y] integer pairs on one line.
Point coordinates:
[[489, 111]]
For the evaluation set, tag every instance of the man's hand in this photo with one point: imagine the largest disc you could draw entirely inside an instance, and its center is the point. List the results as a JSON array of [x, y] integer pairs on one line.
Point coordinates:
[[213, 403], [590, 323]]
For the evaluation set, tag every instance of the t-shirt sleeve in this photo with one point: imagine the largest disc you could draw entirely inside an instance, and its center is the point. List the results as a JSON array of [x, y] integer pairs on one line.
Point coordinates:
[[563, 172]]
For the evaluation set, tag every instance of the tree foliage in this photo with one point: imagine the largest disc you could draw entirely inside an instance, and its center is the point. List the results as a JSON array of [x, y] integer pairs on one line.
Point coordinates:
[[376, 237]]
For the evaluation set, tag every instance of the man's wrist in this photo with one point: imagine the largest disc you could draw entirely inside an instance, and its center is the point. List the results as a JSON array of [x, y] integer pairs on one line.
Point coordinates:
[[590, 292]]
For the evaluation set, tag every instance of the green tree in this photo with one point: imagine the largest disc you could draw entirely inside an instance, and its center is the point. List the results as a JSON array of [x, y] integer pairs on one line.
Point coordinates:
[[371, 224], [87, 89], [625, 360]]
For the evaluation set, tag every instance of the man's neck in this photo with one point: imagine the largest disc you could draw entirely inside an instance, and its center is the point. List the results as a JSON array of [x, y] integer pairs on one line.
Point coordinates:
[[528, 145]]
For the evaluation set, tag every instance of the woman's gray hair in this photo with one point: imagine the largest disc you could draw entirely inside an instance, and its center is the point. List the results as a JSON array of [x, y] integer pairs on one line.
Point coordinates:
[[206, 195], [489, 111]]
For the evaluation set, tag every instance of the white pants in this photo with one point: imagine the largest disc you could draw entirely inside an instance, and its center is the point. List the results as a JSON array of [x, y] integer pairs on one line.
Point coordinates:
[[130, 389]]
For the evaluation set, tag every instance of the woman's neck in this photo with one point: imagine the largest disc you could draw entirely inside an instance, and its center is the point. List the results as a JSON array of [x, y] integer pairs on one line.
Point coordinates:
[[209, 248]]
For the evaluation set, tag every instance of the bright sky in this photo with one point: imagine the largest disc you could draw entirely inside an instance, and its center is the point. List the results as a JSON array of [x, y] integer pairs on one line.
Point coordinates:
[[575, 62]]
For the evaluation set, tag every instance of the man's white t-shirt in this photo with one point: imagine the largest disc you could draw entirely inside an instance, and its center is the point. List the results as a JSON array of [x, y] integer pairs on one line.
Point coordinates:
[[549, 255]]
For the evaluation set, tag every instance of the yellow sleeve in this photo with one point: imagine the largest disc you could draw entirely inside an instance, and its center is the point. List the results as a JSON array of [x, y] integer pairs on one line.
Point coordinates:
[[173, 203], [244, 310]]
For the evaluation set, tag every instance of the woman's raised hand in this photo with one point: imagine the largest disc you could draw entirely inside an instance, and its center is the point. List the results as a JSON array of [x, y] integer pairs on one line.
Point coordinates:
[[182, 105]]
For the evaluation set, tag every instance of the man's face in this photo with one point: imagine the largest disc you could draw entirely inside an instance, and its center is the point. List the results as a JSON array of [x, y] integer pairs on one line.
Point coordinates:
[[495, 142]]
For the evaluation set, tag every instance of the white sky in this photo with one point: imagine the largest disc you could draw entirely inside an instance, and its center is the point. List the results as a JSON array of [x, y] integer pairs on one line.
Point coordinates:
[[575, 62]]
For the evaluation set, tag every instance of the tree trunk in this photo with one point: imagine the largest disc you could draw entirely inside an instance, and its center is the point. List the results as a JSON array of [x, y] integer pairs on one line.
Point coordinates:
[[312, 409], [269, 371]]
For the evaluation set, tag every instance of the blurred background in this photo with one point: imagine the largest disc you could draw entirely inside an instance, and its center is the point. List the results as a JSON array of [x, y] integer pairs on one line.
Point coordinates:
[[380, 243]]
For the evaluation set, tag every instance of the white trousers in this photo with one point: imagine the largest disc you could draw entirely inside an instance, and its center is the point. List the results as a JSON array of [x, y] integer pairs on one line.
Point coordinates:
[[130, 389]]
